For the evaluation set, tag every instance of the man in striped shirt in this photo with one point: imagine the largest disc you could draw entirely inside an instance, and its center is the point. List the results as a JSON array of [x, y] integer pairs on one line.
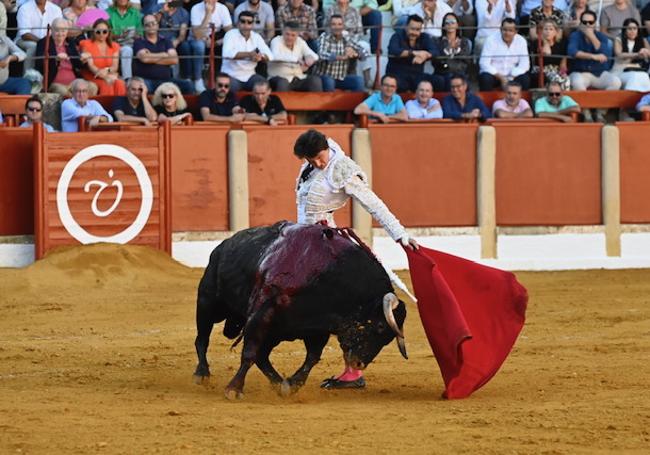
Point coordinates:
[[335, 51]]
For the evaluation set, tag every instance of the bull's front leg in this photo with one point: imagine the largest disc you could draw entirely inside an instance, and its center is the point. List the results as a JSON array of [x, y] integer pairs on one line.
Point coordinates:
[[255, 338], [314, 345], [264, 364], [204, 323]]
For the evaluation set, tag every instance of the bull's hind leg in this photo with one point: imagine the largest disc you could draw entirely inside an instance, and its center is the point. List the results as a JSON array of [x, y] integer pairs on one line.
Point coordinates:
[[315, 345], [255, 338], [205, 320]]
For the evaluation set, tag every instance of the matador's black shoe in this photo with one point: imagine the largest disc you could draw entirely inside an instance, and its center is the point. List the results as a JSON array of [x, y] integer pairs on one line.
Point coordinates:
[[333, 383]]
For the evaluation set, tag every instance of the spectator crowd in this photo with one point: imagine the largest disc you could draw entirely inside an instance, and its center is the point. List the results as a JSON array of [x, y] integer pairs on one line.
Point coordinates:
[[130, 48]]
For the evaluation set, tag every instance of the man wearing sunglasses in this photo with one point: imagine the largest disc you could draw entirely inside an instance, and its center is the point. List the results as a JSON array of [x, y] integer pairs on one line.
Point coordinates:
[[555, 105], [592, 55], [34, 114], [243, 49], [219, 104], [155, 57]]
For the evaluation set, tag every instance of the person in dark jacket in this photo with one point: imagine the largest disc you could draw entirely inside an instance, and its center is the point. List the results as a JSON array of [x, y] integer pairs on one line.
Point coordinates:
[[64, 64]]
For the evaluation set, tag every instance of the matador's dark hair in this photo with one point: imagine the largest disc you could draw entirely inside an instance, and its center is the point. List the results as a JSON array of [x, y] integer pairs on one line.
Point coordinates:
[[310, 143]]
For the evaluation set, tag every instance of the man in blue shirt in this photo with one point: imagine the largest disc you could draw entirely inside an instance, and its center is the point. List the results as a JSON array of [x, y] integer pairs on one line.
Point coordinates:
[[80, 106], [460, 105], [385, 104], [592, 58], [408, 50]]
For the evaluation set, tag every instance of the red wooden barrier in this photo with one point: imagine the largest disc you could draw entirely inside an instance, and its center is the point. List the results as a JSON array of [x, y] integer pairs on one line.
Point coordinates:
[[426, 173]]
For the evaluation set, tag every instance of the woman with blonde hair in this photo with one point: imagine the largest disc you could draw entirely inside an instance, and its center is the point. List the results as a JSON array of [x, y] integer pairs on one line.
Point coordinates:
[[169, 103], [553, 49], [101, 55]]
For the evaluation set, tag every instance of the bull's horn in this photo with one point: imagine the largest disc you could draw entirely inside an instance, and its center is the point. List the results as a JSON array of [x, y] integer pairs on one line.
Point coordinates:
[[390, 303], [402, 347]]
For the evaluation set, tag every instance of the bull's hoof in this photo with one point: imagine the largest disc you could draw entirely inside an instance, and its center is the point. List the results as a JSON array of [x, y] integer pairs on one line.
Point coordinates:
[[201, 379], [286, 389], [232, 394]]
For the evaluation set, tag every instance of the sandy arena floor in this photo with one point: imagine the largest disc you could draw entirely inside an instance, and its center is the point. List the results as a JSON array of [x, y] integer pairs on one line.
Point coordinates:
[[99, 359]]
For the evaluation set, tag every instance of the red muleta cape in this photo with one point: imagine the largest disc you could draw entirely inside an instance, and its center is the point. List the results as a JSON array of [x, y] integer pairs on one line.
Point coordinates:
[[471, 313]]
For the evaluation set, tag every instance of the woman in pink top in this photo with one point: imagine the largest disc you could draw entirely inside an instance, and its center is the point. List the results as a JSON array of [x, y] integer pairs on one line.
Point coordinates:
[[101, 55], [63, 61]]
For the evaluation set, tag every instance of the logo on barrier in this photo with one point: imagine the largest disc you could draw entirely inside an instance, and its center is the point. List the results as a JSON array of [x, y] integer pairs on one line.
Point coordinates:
[[112, 151]]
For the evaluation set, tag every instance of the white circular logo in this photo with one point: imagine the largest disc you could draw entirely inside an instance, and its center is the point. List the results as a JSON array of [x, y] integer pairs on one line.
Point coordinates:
[[115, 151]]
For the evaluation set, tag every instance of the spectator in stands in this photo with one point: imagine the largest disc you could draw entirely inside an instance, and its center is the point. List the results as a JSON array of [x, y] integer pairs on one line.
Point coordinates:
[[408, 50], [297, 11], [553, 49], [80, 106], [512, 105], [126, 24], [294, 58], [632, 58], [490, 14], [64, 64], [243, 49], [101, 56], [335, 52], [34, 114], [3, 26], [353, 28], [154, 58], [9, 52], [33, 18], [431, 12], [504, 58], [556, 105], [591, 51], [525, 8], [173, 22], [264, 17], [613, 16], [170, 105], [455, 50], [385, 104], [462, 105], [573, 16], [424, 106], [644, 104], [370, 17], [645, 17], [135, 106], [209, 13], [82, 15], [547, 10], [262, 107], [464, 11], [219, 104]]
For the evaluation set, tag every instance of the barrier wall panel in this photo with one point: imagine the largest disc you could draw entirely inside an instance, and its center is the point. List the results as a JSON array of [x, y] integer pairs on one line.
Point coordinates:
[[635, 172], [200, 178], [548, 174], [16, 181], [273, 168], [426, 173]]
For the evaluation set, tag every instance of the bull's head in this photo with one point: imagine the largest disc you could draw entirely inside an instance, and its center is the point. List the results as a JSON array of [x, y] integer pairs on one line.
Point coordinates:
[[362, 343]]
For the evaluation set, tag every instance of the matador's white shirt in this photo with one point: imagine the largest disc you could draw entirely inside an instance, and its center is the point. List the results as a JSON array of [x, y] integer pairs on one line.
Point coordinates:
[[326, 190]]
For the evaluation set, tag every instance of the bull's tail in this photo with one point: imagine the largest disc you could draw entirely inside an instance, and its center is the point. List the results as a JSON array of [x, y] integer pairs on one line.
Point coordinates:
[[237, 341]]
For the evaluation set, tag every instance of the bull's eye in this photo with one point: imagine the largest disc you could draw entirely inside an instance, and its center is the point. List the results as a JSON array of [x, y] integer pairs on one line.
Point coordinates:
[[381, 327]]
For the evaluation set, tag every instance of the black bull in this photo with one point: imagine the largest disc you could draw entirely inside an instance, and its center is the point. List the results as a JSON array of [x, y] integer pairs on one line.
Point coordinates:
[[286, 282]]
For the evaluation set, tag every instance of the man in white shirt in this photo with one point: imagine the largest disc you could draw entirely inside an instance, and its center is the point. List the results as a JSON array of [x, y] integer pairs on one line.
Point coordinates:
[[202, 16], [424, 106], [33, 18], [243, 49], [431, 12], [294, 57], [489, 14], [504, 58], [264, 17]]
